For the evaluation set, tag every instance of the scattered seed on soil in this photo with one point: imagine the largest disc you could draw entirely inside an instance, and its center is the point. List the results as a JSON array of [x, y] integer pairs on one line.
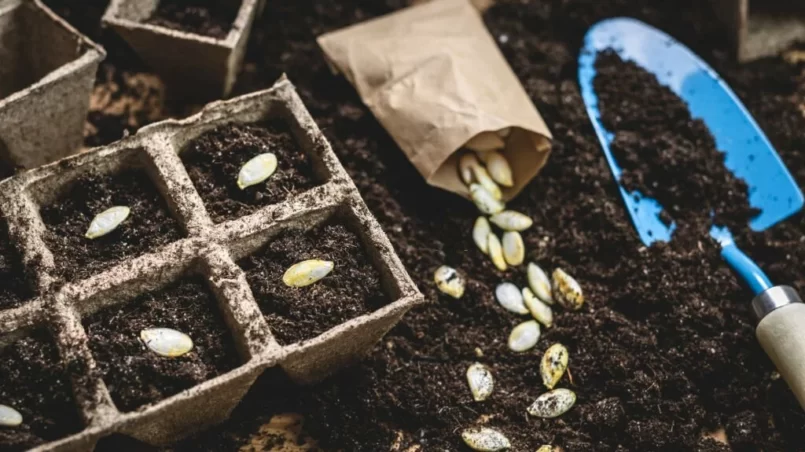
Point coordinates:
[[524, 336], [466, 164], [107, 221], [541, 311], [485, 439], [553, 365], [485, 142], [553, 404], [545, 448], [449, 281], [509, 220], [499, 169], [481, 381], [567, 291], [496, 252], [482, 177], [9, 417], [513, 248], [539, 283], [484, 200], [166, 342], [480, 234], [307, 272], [510, 297], [257, 170]]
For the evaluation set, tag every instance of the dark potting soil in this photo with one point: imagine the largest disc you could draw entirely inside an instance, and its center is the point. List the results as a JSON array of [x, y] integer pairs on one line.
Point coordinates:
[[214, 159], [137, 376], [205, 17], [149, 226], [15, 287], [33, 382], [294, 314]]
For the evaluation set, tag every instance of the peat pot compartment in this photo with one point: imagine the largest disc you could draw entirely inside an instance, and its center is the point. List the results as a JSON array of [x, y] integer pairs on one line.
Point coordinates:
[[16, 287], [34, 383], [213, 18]]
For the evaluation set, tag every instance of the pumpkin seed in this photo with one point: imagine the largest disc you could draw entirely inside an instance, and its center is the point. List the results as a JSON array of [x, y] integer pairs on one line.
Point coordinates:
[[509, 296], [465, 167], [510, 220], [545, 448], [484, 200], [107, 221], [166, 342], [542, 312], [449, 281], [499, 169], [553, 404], [485, 141], [9, 417], [496, 252], [307, 272], [257, 170], [524, 336], [483, 178], [485, 439], [513, 248], [553, 365], [539, 283], [480, 234], [567, 290], [481, 382]]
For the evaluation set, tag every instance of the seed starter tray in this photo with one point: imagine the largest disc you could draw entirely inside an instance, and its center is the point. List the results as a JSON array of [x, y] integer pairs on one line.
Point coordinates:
[[209, 250]]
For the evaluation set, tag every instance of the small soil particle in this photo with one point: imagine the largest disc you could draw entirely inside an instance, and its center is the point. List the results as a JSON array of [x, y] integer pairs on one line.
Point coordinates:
[[15, 287], [297, 313], [214, 159], [137, 376], [149, 226], [34, 383], [205, 17]]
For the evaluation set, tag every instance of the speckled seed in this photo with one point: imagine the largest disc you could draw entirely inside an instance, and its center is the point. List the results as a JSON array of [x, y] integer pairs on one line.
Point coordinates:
[[465, 165], [485, 141], [513, 248], [307, 272], [542, 312], [496, 252], [545, 448], [567, 291], [449, 281], [257, 170], [553, 365], [486, 181], [480, 234], [510, 220], [509, 296], [9, 417], [524, 336], [485, 439], [539, 283], [499, 169], [107, 221], [166, 342], [553, 404], [481, 382], [484, 200]]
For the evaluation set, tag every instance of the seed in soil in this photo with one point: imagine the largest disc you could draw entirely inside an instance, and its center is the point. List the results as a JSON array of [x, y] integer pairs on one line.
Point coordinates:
[[513, 248], [481, 381], [524, 336], [567, 290], [482, 176], [510, 220], [485, 439], [466, 163], [107, 221], [496, 252], [484, 200], [553, 365], [485, 142], [449, 281], [166, 342], [545, 448], [480, 234], [307, 272], [553, 404], [257, 170], [510, 297], [9, 417], [539, 283], [541, 311], [499, 169]]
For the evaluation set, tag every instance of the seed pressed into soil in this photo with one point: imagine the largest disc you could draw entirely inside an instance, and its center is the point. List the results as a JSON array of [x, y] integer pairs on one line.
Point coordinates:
[[34, 383], [294, 314], [214, 159], [15, 287], [149, 226], [137, 376], [205, 17]]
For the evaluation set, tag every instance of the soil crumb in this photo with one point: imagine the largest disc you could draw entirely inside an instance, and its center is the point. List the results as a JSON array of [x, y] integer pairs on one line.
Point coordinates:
[[212, 18]]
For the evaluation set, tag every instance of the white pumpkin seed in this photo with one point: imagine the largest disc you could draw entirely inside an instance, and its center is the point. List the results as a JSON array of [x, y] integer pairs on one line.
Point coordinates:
[[483, 178], [499, 169], [307, 272], [466, 164], [107, 221], [510, 220], [449, 281], [567, 291], [545, 448], [553, 365], [509, 296], [9, 417], [257, 170], [553, 404], [485, 439], [542, 312], [496, 252], [524, 336], [480, 234], [166, 342], [481, 381], [539, 283], [485, 141], [513, 248], [484, 200]]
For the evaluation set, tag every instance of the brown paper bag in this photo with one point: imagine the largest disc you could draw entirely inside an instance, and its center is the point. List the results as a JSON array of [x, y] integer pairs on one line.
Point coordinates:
[[434, 77]]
